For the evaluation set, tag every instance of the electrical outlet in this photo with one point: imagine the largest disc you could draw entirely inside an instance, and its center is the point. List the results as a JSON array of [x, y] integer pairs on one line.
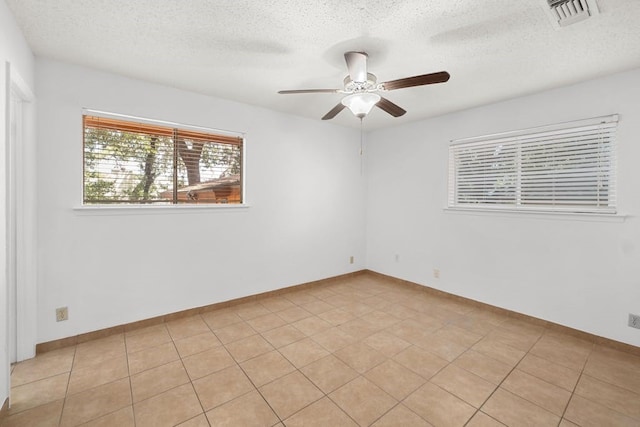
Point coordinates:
[[436, 273], [351, 259], [397, 258], [62, 313], [634, 321]]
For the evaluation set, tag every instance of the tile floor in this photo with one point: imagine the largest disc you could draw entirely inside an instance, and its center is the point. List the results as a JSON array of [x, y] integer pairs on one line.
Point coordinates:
[[362, 351]]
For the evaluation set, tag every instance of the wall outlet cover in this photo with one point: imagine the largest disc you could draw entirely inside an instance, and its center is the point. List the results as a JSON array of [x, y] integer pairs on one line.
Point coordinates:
[[62, 313], [634, 321]]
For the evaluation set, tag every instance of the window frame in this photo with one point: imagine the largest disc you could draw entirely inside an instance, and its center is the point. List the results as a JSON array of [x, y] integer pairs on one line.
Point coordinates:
[[171, 205], [517, 207]]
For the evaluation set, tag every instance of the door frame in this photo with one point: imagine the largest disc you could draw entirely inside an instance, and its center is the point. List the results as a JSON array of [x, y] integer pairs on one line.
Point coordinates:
[[21, 215]]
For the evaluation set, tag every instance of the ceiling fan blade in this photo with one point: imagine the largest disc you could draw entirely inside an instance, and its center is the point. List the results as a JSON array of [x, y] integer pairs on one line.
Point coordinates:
[[289, 92], [385, 105], [334, 112], [424, 79], [357, 65]]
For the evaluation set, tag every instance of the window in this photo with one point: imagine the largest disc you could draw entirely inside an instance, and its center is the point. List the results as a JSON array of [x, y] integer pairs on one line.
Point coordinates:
[[146, 162], [568, 167]]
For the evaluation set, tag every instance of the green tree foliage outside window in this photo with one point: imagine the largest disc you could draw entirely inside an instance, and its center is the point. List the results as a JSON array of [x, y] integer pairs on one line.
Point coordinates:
[[135, 163]]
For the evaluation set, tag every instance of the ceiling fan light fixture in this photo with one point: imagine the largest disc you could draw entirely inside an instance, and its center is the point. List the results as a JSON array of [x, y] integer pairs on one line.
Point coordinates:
[[361, 104]]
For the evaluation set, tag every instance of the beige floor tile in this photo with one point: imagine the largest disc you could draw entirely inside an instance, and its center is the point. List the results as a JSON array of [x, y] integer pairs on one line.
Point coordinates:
[[251, 310], [145, 329], [493, 317], [290, 394], [523, 326], [515, 339], [311, 325], [266, 322], [276, 304], [208, 362], [267, 367], [121, 418], [615, 367], [44, 366], [463, 384], [566, 351], [333, 339], [483, 366], [362, 400], [336, 316], [400, 339], [515, 411], [358, 328], [438, 406], [480, 419], [420, 361], [152, 357], [380, 319], [300, 297], [586, 413], [221, 387], [360, 357], [377, 302], [196, 344], [317, 307], [338, 300], [321, 413], [303, 352], [619, 358], [158, 380], [187, 327], [95, 352], [234, 332], [358, 308], [47, 415], [499, 351], [93, 376], [293, 314], [550, 372], [619, 399], [199, 421], [458, 335], [413, 331], [400, 311], [169, 408], [91, 404], [38, 393], [546, 395], [475, 325], [153, 338], [329, 373], [217, 319], [395, 379], [247, 410], [401, 416], [442, 347], [386, 343], [282, 336], [248, 348]]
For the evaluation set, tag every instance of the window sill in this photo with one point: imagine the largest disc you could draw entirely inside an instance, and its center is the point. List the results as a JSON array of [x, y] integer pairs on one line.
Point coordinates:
[[153, 210], [562, 216]]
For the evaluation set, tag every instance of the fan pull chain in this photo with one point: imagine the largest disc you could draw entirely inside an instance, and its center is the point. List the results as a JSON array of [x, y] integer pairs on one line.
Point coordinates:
[[361, 149]]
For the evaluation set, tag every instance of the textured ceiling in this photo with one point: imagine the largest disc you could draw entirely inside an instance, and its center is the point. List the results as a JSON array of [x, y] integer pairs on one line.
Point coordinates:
[[247, 50]]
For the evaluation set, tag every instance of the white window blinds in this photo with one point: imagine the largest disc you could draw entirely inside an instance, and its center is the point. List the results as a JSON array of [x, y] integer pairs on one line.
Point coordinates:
[[568, 167]]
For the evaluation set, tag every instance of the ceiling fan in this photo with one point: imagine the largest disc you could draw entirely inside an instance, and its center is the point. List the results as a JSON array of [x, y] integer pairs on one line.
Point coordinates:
[[360, 86]]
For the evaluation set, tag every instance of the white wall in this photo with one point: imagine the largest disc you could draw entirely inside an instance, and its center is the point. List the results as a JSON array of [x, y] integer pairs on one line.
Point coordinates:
[[306, 214], [582, 274], [16, 56]]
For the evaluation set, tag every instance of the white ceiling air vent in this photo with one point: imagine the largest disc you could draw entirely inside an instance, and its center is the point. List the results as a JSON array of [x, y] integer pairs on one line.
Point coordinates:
[[567, 12]]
